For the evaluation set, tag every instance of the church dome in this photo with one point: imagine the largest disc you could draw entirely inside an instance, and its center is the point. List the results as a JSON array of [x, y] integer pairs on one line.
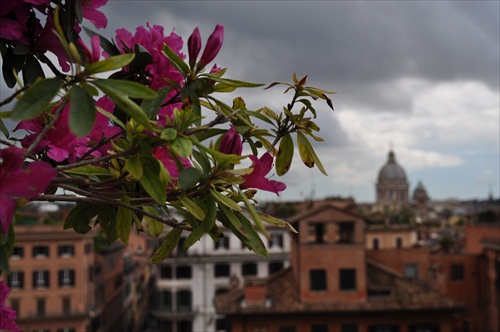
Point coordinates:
[[391, 171]]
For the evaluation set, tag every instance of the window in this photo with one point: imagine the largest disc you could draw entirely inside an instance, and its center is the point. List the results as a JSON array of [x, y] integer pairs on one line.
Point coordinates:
[[410, 271], [317, 280], [319, 233], [66, 329], [165, 272], [66, 305], [222, 243], [276, 240], [40, 307], [221, 324], [275, 266], [221, 270], [184, 301], [40, 251], [399, 243], [166, 300], [185, 326], [183, 272], [66, 250], [375, 244], [249, 269], [88, 248], [17, 252], [348, 328], [319, 328], [457, 272], [426, 328], [40, 278], [346, 232], [287, 329], [66, 277], [16, 280], [347, 279]]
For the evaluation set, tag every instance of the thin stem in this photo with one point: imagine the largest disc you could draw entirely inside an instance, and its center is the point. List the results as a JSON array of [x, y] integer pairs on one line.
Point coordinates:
[[46, 128], [98, 160], [14, 95], [100, 144]]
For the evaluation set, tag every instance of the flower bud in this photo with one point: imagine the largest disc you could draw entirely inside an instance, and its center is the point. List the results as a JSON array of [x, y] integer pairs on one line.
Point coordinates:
[[231, 142], [194, 46], [214, 43]]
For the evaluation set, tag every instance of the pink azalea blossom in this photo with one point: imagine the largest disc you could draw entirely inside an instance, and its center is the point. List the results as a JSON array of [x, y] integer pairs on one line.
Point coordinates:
[[214, 44], [194, 46], [90, 56], [91, 13], [153, 40], [257, 179], [231, 142], [7, 314], [20, 182], [166, 158], [46, 40]]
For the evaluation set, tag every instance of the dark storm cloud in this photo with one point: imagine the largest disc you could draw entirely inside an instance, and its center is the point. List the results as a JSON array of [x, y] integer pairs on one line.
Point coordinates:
[[355, 48]]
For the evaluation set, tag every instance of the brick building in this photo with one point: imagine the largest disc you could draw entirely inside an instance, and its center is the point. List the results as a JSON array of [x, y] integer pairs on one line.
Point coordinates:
[[332, 285]]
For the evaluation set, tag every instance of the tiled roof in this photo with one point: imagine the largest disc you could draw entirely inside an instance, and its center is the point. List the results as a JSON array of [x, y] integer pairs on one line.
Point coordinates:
[[283, 297]]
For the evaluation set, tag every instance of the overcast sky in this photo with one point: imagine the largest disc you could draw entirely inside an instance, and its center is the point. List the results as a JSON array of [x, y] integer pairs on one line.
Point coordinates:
[[421, 76]]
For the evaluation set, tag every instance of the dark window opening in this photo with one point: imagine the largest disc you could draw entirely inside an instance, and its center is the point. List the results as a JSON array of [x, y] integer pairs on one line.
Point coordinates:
[[319, 328], [183, 272], [40, 278], [249, 269], [319, 233], [40, 251], [276, 240], [17, 252], [347, 279], [66, 306], [184, 301], [317, 280], [166, 272], [221, 270], [275, 267], [399, 243], [66, 277], [457, 272], [410, 271], [222, 243], [40, 307], [184, 326], [346, 232], [66, 251], [375, 244], [287, 329], [348, 328], [16, 280]]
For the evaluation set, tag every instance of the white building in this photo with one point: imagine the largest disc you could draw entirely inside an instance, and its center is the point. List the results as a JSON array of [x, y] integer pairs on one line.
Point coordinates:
[[187, 281]]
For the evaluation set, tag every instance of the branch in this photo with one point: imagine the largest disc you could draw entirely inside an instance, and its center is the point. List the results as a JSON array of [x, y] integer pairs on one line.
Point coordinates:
[[100, 144], [98, 160], [9, 99]]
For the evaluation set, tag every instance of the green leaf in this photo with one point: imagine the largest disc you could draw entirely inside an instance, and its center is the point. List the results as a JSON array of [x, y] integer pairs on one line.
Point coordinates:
[[275, 221], [134, 167], [255, 216], [88, 170], [4, 129], [182, 147], [167, 246], [36, 99], [205, 226], [188, 178], [32, 70], [81, 112], [106, 217], [223, 199], [168, 134], [236, 83], [306, 149], [155, 228], [106, 45], [151, 182], [80, 216], [252, 240], [124, 103], [115, 62], [193, 208], [176, 60], [285, 155], [127, 88], [124, 221], [152, 105]]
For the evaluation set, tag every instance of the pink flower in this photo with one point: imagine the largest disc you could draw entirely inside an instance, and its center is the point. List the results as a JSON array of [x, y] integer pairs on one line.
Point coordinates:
[[160, 70], [163, 155], [231, 142], [194, 46], [59, 142], [91, 13], [257, 179], [7, 314], [19, 182], [214, 44], [90, 56], [46, 40]]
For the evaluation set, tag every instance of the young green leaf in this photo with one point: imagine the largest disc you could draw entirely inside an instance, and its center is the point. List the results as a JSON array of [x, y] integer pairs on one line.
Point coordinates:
[[150, 181], [188, 178], [134, 167], [112, 63], [176, 60], [167, 246], [152, 105], [193, 208], [127, 88], [285, 155], [88, 170], [182, 147], [36, 99], [81, 112], [306, 146], [124, 220], [223, 199], [205, 226], [79, 217], [155, 228]]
